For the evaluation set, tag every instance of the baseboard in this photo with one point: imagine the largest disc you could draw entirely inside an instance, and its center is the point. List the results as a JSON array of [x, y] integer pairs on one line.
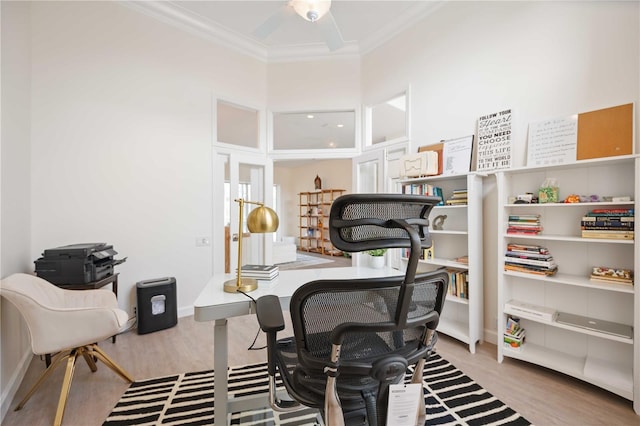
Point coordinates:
[[491, 336], [14, 382], [185, 311]]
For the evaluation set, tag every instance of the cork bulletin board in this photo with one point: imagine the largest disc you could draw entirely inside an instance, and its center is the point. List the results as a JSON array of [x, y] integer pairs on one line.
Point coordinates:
[[605, 133]]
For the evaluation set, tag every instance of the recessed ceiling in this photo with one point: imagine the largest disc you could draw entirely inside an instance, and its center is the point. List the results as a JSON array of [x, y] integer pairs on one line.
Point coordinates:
[[364, 25]]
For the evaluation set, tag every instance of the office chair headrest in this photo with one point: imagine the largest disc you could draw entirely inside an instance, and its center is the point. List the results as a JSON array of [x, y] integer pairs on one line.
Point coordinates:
[[360, 222]]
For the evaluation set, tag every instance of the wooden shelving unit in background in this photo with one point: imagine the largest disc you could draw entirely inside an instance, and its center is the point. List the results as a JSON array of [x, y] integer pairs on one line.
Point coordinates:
[[314, 209]]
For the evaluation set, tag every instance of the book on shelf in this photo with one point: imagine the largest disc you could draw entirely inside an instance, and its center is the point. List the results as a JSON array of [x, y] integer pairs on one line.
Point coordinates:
[[423, 189], [529, 259], [612, 275], [514, 334], [530, 255], [458, 283], [459, 197], [621, 212], [549, 264], [530, 310], [536, 270], [264, 272], [614, 219], [607, 234], [524, 224], [526, 249], [617, 224], [462, 259]]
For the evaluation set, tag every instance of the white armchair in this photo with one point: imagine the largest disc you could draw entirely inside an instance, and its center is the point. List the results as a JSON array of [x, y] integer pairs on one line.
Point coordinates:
[[67, 323]]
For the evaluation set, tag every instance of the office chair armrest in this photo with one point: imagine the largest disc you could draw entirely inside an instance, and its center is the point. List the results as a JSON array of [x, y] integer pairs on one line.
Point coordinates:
[[269, 314]]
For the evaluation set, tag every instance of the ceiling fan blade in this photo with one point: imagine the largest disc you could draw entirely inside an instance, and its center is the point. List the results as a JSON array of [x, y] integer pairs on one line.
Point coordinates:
[[273, 22], [330, 31]]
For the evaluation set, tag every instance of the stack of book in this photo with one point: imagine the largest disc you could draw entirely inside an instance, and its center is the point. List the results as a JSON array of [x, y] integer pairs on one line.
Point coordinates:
[[459, 197], [612, 275], [260, 272], [423, 189], [514, 334], [529, 259], [527, 224], [458, 283], [609, 224]]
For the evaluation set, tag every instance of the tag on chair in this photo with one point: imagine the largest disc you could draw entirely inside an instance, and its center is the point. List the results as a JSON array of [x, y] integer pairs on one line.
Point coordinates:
[[404, 401]]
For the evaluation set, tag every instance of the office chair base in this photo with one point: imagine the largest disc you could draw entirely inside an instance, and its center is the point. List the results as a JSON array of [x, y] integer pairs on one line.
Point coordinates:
[[90, 353]]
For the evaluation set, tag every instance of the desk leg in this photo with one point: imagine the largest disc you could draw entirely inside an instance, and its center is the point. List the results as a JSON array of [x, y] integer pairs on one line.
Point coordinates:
[[220, 366]]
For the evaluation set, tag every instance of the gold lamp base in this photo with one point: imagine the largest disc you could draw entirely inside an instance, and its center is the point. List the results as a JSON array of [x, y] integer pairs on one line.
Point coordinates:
[[240, 284]]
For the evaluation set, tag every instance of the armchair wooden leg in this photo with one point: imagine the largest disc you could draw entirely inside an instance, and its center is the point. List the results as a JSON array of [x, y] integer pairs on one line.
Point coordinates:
[[96, 351], [46, 373], [66, 386]]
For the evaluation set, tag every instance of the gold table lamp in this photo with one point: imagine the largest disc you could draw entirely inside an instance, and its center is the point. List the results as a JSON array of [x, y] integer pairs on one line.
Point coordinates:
[[261, 220]]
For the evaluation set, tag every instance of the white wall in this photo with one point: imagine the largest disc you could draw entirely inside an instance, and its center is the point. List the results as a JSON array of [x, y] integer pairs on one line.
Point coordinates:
[[15, 189], [121, 138], [542, 59]]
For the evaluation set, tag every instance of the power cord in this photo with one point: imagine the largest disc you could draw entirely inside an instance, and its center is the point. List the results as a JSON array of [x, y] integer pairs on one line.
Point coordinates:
[[255, 339]]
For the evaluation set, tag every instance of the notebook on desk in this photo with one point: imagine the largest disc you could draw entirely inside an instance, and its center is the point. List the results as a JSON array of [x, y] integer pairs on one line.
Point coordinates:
[[614, 328]]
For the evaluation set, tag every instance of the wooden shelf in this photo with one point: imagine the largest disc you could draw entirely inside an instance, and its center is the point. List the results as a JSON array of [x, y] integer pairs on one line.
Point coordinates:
[[314, 208]]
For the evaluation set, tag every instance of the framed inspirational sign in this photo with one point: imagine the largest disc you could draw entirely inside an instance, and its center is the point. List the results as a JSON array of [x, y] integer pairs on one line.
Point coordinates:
[[494, 141]]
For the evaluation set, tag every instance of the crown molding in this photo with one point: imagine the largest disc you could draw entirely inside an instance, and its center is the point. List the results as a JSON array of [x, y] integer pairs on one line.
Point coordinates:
[[170, 12], [173, 14], [411, 16]]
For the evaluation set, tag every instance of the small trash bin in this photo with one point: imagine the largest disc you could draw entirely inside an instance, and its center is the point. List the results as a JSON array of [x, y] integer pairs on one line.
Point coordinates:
[[157, 306]]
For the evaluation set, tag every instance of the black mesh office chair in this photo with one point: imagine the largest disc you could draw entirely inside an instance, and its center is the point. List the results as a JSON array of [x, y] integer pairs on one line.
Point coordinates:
[[353, 338]]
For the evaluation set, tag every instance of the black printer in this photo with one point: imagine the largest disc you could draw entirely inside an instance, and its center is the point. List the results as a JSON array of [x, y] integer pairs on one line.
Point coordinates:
[[77, 263]]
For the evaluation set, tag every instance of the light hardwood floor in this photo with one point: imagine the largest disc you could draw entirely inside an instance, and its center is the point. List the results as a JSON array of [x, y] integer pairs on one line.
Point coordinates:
[[543, 396]]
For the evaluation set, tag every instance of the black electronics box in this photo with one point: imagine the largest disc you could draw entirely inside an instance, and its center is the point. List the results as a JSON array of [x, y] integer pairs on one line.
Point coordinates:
[[157, 305], [77, 263]]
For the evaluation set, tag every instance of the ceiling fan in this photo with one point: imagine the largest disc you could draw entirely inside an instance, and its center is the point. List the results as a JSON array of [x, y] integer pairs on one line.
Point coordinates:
[[315, 11]]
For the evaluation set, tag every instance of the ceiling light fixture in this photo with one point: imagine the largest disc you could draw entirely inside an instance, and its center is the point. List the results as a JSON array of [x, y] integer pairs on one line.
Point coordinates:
[[340, 125], [311, 10], [310, 116]]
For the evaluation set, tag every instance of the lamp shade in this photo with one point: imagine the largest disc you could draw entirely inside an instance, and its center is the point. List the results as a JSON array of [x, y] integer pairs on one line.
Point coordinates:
[[262, 219], [311, 10]]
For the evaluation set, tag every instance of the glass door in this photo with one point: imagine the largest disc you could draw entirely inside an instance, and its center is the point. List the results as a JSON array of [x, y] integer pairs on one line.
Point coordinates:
[[250, 177]]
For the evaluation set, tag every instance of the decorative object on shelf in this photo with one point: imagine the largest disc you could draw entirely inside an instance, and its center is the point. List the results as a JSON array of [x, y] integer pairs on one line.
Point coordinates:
[[423, 163], [438, 222], [376, 258], [494, 141], [612, 275], [572, 198], [548, 192], [317, 182], [430, 252], [261, 220]]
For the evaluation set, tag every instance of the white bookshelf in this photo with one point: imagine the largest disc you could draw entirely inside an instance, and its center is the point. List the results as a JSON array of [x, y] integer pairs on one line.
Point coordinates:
[[461, 234], [605, 360]]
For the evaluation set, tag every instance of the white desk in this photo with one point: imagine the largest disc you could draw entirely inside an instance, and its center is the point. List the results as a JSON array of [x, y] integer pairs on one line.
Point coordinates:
[[213, 304]]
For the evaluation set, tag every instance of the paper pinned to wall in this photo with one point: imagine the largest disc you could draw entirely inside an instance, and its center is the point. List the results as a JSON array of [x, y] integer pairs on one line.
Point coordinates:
[[553, 141]]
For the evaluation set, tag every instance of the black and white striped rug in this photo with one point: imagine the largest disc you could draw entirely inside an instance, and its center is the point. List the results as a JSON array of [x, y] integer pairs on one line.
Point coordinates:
[[452, 398]]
